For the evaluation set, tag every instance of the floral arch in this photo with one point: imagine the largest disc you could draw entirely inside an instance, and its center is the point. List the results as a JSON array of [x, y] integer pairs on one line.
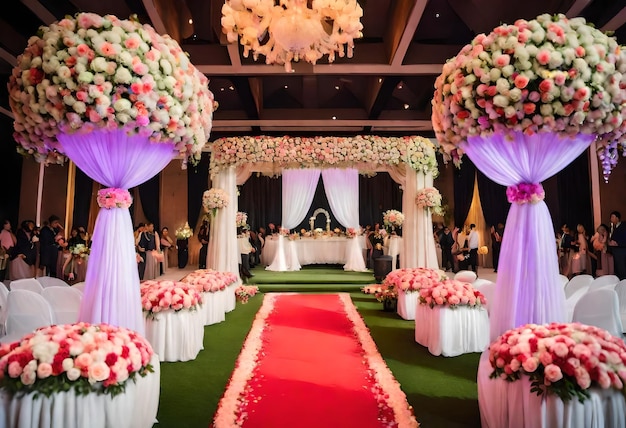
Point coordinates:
[[410, 161], [318, 212]]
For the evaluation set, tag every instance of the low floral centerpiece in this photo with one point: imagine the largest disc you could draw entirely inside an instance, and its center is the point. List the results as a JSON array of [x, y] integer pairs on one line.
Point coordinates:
[[215, 199], [429, 198], [384, 293], [210, 281], [561, 359], [85, 358], [245, 292], [184, 232], [392, 219], [414, 279], [80, 250], [159, 296], [451, 293]]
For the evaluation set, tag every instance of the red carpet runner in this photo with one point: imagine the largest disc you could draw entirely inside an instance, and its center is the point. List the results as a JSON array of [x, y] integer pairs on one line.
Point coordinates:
[[309, 362]]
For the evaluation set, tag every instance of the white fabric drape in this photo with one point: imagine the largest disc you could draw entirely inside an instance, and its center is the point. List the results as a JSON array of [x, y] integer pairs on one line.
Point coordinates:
[[418, 243], [223, 252], [342, 191], [528, 288], [298, 191], [114, 159]]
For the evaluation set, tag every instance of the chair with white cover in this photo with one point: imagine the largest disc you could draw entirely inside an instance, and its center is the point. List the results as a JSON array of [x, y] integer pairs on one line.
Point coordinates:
[[80, 286], [599, 308], [30, 284], [65, 303], [604, 281], [620, 289], [27, 311], [466, 276], [51, 281], [577, 282], [480, 282], [4, 294], [564, 280], [571, 301], [487, 288]]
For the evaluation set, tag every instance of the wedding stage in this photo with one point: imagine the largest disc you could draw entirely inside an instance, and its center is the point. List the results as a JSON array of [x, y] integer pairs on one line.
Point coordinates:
[[309, 251]]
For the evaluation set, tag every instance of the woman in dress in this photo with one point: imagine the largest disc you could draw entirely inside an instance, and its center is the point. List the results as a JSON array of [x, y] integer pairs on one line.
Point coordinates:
[[599, 242], [580, 260], [7, 244], [167, 245], [23, 264]]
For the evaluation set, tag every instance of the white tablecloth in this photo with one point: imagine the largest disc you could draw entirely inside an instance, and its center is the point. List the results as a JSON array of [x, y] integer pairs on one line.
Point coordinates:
[[511, 404], [407, 302], [135, 408], [335, 250], [176, 336], [452, 332], [214, 307], [393, 244], [229, 298]]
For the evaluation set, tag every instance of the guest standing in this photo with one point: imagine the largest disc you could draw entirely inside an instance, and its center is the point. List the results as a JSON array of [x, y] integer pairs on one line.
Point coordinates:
[[7, 245], [599, 243], [473, 242], [617, 244], [580, 262], [23, 265], [167, 245], [48, 249], [446, 241], [565, 247], [496, 244], [147, 242], [203, 237]]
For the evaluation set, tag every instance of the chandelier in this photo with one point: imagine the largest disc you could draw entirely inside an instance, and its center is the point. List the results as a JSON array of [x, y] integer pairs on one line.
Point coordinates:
[[291, 30]]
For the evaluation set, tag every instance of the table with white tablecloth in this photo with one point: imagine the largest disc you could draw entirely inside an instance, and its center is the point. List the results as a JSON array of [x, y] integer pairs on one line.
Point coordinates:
[[505, 404], [326, 250], [176, 335]]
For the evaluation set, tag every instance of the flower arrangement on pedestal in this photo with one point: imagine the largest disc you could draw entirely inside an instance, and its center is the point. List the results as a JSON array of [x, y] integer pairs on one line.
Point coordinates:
[[561, 359], [451, 293], [184, 232], [551, 74], [430, 198], [209, 280], [159, 296], [393, 219], [100, 72], [85, 358], [241, 219], [215, 199], [245, 292], [304, 152], [414, 279]]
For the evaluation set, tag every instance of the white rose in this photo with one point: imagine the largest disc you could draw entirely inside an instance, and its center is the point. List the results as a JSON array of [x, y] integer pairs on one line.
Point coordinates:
[[500, 101], [122, 105], [64, 72], [126, 58], [123, 75], [166, 66], [85, 77], [73, 374], [99, 64], [546, 109], [79, 107], [494, 74]]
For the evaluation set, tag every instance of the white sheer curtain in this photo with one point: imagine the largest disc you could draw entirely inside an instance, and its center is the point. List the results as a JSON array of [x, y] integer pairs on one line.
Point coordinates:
[[298, 191], [528, 288], [223, 252], [114, 159], [342, 190]]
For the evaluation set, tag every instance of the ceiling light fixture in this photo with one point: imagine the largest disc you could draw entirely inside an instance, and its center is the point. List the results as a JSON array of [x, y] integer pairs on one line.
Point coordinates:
[[231, 87], [286, 86], [334, 117], [291, 30], [190, 21], [406, 106], [337, 87]]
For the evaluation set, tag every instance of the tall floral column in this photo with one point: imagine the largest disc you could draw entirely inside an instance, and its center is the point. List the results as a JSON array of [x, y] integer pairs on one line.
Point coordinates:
[[120, 101], [523, 102]]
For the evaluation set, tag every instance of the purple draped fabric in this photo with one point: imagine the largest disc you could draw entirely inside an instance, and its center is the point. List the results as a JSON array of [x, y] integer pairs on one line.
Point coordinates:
[[114, 159], [528, 289]]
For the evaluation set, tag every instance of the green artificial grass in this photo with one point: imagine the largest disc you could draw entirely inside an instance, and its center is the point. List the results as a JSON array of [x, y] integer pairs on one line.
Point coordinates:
[[441, 390], [311, 274]]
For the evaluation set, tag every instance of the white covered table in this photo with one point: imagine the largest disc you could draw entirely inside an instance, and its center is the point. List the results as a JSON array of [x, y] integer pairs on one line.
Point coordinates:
[[393, 244], [451, 332], [176, 336], [135, 408], [407, 303], [506, 404], [214, 307]]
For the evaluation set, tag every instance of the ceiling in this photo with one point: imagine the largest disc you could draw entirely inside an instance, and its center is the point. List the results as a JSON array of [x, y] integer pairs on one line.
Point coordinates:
[[384, 89]]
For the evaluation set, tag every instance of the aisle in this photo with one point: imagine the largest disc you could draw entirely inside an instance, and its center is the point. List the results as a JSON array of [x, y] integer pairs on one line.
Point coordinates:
[[314, 369]]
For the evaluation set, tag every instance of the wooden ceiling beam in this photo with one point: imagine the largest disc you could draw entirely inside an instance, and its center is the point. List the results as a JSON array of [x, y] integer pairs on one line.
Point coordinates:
[[577, 7], [330, 69], [616, 22], [40, 10], [406, 16], [6, 112], [256, 88], [8, 57], [165, 16], [425, 125]]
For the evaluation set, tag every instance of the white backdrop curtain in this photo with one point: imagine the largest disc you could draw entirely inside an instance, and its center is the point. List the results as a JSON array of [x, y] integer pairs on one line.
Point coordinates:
[[528, 289], [298, 191], [342, 191], [223, 252], [114, 159]]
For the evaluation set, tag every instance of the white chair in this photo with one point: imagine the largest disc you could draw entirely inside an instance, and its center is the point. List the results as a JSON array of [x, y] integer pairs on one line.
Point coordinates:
[[600, 308], [604, 281], [487, 288], [65, 303], [51, 281], [571, 301], [620, 289], [30, 284], [27, 311], [564, 280], [4, 294], [80, 286], [579, 281], [480, 282], [465, 276]]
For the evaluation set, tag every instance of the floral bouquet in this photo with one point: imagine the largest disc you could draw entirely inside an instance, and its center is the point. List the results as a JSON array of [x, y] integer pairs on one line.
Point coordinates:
[[241, 219], [561, 359], [114, 198], [414, 279], [283, 231], [429, 198], [184, 232], [483, 250], [393, 219], [159, 296], [80, 250], [452, 293], [244, 292], [351, 232], [86, 358], [208, 280], [551, 74], [382, 292], [215, 199], [293, 236], [92, 72]]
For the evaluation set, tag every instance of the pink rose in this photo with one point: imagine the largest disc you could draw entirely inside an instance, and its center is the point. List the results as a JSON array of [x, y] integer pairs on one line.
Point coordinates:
[[553, 373], [44, 370], [530, 365], [15, 369], [99, 371]]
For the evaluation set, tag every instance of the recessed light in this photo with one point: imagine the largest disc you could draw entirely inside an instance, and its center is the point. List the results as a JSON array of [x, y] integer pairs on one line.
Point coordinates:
[[231, 87], [399, 85], [337, 87], [436, 15], [380, 80], [334, 117], [190, 21], [406, 106], [222, 89], [286, 86]]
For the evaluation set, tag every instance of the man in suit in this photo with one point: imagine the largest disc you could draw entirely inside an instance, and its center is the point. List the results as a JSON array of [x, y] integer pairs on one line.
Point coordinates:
[[617, 244], [473, 242], [565, 245], [48, 250]]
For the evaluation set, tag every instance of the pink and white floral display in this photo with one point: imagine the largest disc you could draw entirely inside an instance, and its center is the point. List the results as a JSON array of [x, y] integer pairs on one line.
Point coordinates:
[[452, 293], [562, 359], [245, 292], [381, 291], [393, 218], [525, 193], [211, 281], [241, 219], [429, 198], [313, 152], [414, 279], [159, 296], [215, 199], [88, 358], [92, 72], [114, 198]]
